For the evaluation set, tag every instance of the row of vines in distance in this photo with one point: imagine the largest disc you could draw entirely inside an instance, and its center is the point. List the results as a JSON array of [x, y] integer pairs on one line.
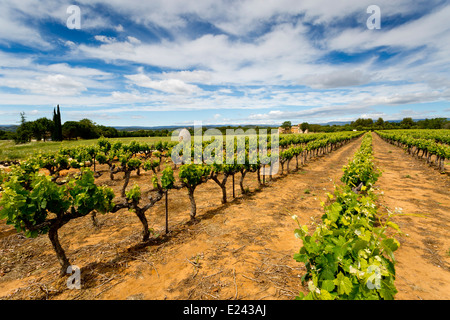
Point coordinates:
[[421, 143]]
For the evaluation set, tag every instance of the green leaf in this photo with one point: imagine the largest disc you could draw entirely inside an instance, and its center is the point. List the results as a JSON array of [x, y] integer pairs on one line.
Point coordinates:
[[393, 225], [301, 257], [359, 245], [300, 296], [334, 211], [387, 290], [328, 285], [343, 284], [325, 295], [390, 243]]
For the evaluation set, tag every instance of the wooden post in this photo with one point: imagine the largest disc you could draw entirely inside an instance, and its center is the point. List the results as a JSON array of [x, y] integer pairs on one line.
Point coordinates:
[[167, 212], [233, 187], [264, 174]]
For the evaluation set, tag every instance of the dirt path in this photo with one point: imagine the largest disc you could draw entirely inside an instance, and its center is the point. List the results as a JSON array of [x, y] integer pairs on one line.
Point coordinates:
[[423, 259], [241, 250]]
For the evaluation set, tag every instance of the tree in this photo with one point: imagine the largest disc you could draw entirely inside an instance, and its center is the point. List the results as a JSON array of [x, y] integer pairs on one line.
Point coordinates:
[[88, 129], [3, 135], [380, 123], [57, 134], [304, 126], [315, 127], [41, 128], [286, 125], [108, 132], [24, 132], [435, 123], [407, 123], [71, 130], [361, 122]]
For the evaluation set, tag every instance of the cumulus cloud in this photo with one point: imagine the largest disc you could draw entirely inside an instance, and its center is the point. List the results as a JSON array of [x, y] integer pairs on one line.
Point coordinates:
[[336, 79], [119, 28], [105, 39], [198, 76], [291, 58], [174, 86]]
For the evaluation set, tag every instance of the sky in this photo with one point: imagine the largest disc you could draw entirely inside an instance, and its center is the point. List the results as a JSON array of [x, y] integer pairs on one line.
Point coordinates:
[[176, 62]]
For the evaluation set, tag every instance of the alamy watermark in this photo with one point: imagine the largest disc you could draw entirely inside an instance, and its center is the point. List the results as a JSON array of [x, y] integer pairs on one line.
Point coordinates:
[[74, 20], [374, 20], [374, 281], [74, 281]]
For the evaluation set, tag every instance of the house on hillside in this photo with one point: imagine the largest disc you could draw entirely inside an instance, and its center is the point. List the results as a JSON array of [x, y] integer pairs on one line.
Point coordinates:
[[293, 129], [282, 130]]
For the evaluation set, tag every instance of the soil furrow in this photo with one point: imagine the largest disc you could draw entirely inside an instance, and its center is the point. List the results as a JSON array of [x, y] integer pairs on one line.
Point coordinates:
[[415, 188]]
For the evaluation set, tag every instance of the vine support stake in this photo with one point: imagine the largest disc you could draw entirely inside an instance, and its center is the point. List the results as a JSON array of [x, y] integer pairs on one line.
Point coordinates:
[[167, 212], [233, 187]]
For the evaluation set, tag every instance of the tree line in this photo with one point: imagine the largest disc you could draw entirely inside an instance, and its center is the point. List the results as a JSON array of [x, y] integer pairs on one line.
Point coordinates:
[[46, 129], [362, 124]]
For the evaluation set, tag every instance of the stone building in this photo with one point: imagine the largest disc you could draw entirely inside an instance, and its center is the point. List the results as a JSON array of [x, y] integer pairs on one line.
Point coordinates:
[[293, 129]]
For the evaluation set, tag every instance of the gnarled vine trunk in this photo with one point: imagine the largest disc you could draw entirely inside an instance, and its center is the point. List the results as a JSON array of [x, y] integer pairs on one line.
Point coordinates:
[[60, 253], [193, 205]]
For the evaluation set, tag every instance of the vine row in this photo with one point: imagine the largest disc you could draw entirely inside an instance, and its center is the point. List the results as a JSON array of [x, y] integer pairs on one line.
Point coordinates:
[[421, 143], [349, 255], [37, 202]]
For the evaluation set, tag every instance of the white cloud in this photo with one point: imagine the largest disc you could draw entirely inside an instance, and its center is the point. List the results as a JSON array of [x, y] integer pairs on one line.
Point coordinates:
[[336, 79], [127, 97], [105, 39], [174, 86], [278, 56], [262, 60], [133, 40], [14, 31], [431, 30], [198, 76], [53, 85]]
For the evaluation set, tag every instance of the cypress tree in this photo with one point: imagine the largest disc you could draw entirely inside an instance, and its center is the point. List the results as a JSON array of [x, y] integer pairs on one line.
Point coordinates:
[[54, 137], [57, 131]]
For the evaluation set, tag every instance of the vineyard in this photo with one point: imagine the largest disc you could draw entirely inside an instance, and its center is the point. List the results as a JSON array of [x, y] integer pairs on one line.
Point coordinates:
[[141, 226]]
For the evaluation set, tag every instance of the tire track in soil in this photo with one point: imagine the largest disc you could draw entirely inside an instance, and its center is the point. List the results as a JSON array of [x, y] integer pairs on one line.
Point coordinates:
[[240, 250], [423, 259]]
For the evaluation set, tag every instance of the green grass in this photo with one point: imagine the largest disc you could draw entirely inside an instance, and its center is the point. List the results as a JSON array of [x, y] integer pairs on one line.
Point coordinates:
[[11, 151]]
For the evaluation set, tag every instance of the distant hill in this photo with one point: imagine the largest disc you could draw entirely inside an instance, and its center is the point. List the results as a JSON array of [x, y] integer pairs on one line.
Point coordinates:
[[12, 128], [8, 127], [170, 128], [343, 123]]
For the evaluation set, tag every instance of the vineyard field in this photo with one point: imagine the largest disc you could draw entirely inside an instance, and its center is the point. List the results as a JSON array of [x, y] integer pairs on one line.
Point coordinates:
[[10, 151], [240, 249]]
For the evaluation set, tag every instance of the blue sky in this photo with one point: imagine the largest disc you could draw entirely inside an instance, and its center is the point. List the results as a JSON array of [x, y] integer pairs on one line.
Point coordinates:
[[173, 62]]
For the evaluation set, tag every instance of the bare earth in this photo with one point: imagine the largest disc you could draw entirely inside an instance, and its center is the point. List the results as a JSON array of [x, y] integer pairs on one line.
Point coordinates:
[[241, 250], [423, 259]]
